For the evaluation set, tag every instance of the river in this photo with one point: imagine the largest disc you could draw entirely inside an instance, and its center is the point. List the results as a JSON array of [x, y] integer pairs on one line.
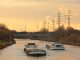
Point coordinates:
[[16, 52]]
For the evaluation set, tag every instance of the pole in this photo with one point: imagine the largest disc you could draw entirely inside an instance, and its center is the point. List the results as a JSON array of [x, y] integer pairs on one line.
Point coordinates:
[[69, 17], [44, 24], [59, 18], [37, 27], [53, 25], [49, 30]]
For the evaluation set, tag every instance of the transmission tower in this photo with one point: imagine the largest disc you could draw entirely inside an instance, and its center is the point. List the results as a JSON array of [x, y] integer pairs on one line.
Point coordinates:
[[44, 24], [53, 25], [25, 28], [69, 17], [37, 26], [59, 18]]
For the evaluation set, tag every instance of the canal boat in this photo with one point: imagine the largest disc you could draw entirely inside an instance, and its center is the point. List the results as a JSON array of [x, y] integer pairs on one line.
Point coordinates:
[[30, 46], [55, 46], [32, 50]]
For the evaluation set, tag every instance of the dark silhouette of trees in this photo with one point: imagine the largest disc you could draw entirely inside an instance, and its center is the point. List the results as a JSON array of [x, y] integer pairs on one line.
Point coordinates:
[[68, 36], [6, 37], [44, 30], [5, 34]]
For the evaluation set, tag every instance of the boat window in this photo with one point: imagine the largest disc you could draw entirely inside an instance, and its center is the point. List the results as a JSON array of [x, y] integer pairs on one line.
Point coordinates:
[[31, 43], [31, 46], [58, 45], [52, 44]]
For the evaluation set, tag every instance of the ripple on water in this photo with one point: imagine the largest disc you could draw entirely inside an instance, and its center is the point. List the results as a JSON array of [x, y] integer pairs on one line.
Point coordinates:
[[16, 52]]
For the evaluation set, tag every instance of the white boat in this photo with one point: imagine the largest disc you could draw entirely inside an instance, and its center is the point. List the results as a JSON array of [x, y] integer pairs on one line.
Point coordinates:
[[55, 46], [31, 49], [37, 52], [30, 46]]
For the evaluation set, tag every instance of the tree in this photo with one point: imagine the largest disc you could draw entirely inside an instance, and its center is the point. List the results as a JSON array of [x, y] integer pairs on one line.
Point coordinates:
[[44, 30], [5, 33], [61, 28]]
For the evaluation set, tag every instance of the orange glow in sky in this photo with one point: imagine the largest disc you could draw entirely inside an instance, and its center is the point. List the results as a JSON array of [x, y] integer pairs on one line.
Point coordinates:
[[16, 14]]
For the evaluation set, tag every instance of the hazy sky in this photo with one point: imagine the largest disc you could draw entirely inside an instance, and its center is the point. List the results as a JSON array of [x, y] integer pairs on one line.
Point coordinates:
[[18, 13]]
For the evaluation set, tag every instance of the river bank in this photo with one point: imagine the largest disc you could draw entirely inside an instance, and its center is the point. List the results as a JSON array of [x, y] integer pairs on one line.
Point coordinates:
[[65, 42], [5, 44], [72, 43]]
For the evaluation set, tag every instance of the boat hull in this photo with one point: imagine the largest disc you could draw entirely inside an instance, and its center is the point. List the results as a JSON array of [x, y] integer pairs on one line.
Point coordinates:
[[34, 53], [57, 48]]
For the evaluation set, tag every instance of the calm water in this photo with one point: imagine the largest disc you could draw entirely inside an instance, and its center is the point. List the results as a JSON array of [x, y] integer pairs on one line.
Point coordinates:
[[16, 52]]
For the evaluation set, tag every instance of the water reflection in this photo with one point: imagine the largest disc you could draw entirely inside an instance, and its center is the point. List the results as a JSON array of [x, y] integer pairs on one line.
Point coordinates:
[[16, 52]]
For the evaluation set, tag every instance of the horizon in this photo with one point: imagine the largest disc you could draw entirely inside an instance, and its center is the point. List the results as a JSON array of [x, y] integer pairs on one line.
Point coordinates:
[[21, 15]]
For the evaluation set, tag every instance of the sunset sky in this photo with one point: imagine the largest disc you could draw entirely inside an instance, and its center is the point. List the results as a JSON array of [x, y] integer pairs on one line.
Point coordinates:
[[16, 14]]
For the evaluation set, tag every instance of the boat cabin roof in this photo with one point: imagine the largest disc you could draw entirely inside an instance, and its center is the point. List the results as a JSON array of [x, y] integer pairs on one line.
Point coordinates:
[[31, 43]]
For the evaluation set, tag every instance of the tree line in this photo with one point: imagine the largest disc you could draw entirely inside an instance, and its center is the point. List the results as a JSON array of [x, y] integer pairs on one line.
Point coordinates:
[[67, 35], [6, 36]]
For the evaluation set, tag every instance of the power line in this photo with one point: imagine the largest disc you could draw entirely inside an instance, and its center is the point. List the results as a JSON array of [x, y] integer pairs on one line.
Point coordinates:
[[48, 26], [69, 17], [59, 18], [44, 24], [53, 25], [25, 28], [37, 27]]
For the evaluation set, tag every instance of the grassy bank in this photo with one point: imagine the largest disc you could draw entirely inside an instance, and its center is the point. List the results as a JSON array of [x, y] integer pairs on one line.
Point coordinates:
[[69, 36], [4, 44], [6, 37]]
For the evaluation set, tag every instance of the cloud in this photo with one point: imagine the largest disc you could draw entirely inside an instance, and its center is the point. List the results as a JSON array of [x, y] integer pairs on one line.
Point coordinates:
[[36, 10], [52, 1]]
